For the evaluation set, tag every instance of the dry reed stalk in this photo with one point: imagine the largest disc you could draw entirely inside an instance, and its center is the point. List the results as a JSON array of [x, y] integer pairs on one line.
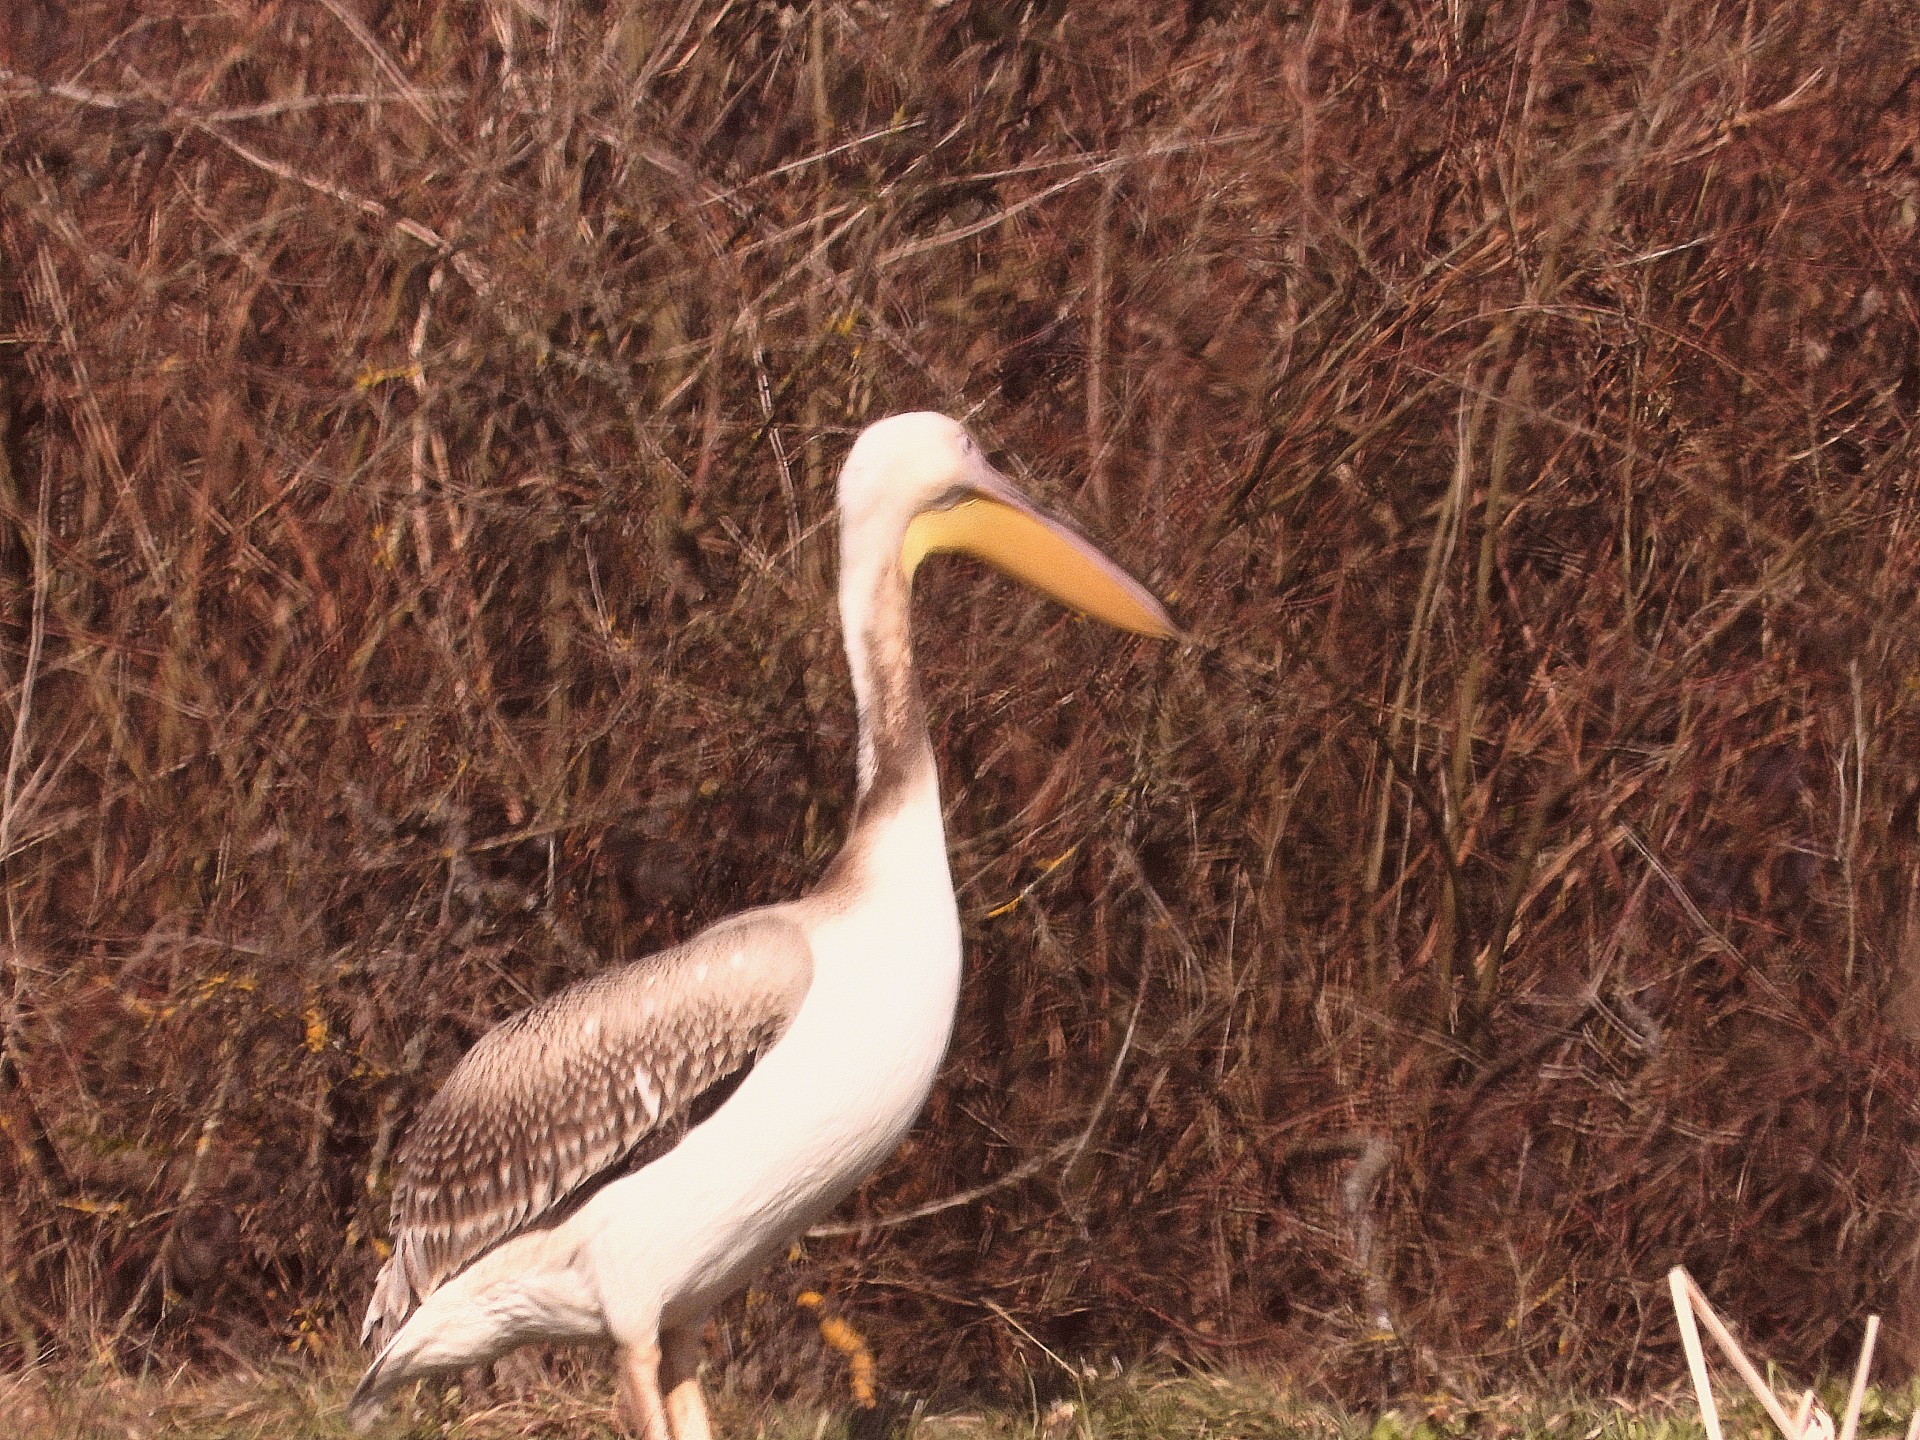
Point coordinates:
[[1811, 1421], [1684, 1316], [1857, 1392]]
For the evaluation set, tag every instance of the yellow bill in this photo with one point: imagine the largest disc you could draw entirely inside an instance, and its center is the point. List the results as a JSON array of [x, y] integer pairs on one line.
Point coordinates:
[[1000, 528]]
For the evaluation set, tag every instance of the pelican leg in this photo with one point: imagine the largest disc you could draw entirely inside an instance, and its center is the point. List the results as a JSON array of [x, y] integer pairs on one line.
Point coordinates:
[[640, 1391], [680, 1374]]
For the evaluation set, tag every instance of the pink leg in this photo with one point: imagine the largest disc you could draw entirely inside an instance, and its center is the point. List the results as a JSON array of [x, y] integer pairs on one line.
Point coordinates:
[[640, 1391], [679, 1370]]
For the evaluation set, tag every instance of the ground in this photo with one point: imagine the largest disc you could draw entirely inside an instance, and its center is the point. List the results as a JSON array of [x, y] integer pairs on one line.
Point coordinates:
[[297, 1402]]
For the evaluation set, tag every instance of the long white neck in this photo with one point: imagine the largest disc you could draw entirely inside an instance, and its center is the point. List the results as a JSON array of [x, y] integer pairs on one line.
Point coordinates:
[[897, 805], [875, 615]]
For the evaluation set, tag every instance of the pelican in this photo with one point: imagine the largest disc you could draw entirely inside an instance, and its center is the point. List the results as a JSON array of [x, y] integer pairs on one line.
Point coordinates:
[[609, 1165]]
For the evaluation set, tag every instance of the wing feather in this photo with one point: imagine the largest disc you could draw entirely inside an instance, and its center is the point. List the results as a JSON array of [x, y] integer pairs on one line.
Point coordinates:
[[591, 1080]]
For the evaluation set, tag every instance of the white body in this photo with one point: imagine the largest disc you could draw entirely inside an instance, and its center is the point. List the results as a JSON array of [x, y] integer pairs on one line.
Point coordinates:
[[821, 1110], [643, 1259]]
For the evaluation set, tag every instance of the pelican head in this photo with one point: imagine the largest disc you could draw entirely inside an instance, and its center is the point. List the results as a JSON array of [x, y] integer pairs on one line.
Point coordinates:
[[916, 485]]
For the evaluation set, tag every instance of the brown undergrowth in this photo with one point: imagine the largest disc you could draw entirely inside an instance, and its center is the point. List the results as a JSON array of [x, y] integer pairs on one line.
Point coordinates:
[[415, 472]]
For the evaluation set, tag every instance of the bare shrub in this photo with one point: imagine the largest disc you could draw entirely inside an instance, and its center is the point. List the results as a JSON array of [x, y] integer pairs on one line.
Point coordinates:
[[419, 427]]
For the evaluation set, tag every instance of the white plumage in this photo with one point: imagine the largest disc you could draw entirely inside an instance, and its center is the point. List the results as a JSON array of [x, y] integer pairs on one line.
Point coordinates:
[[614, 1162]]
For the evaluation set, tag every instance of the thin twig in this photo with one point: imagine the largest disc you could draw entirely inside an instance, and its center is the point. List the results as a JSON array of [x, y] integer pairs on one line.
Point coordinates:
[[1850, 1422], [1691, 1299]]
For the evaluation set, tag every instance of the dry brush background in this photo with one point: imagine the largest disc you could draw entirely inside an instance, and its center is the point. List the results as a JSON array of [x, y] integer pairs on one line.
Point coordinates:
[[416, 444]]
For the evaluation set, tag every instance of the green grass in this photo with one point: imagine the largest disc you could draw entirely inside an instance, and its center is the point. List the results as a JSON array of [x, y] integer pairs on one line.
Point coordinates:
[[295, 1402]]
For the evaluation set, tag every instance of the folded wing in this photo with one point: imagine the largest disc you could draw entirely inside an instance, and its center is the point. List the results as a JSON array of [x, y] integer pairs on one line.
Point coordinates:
[[592, 1082]]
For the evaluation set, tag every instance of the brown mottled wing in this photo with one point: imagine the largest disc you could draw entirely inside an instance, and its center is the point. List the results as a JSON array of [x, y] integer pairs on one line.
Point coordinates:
[[561, 1094]]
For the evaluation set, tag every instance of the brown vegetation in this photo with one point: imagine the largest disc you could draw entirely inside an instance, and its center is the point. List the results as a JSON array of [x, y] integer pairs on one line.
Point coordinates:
[[419, 421]]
